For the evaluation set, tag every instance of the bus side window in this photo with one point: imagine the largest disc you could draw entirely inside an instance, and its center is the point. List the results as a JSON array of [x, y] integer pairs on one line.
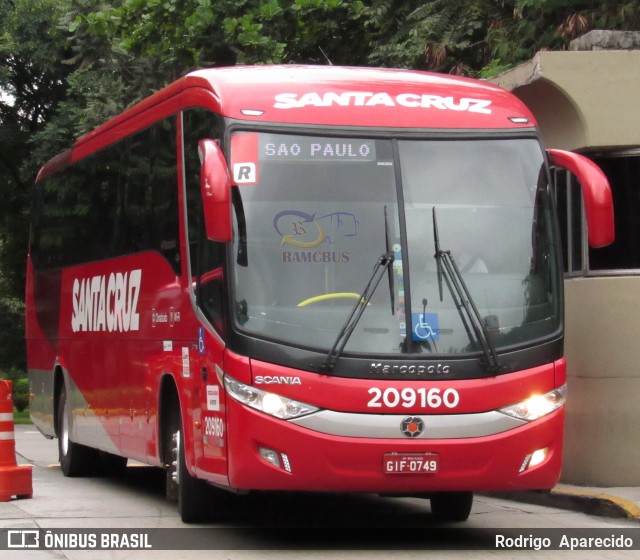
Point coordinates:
[[206, 258], [120, 201], [149, 209]]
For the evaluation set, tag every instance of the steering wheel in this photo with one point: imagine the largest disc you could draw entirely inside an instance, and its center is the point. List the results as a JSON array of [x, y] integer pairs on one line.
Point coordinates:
[[326, 297]]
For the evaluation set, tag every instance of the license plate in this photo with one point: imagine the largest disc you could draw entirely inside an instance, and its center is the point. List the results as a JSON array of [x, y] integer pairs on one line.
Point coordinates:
[[411, 463]]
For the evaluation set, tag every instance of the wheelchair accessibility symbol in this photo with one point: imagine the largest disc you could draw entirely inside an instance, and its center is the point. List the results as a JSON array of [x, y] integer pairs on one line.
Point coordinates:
[[425, 326], [201, 347]]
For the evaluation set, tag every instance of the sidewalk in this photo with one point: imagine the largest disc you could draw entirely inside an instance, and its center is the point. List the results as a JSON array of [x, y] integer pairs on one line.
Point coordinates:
[[618, 502]]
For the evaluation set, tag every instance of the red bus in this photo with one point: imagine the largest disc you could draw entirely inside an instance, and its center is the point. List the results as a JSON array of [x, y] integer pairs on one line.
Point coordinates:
[[308, 279]]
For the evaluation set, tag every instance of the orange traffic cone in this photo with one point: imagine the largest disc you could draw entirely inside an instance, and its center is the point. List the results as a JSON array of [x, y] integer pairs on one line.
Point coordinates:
[[14, 480]]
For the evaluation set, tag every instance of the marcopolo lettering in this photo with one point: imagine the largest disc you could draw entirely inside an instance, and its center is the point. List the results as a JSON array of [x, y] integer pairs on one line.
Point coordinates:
[[369, 99], [107, 303], [409, 369]]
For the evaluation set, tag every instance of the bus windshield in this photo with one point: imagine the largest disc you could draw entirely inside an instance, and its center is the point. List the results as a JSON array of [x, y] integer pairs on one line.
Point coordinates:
[[315, 214]]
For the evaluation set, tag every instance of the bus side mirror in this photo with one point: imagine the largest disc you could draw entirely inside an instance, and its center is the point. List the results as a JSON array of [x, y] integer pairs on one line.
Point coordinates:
[[215, 186], [596, 192]]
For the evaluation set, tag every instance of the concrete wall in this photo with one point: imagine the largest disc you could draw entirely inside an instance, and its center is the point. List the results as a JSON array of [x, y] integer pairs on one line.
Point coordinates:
[[581, 99], [602, 347]]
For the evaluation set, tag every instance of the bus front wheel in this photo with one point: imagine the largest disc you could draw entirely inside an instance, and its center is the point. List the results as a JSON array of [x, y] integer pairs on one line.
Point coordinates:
[[451, 506], [191, 492]]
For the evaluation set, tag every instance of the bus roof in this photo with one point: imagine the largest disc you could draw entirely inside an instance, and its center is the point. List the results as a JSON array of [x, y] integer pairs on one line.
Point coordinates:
[[323, 96], [351, 96]]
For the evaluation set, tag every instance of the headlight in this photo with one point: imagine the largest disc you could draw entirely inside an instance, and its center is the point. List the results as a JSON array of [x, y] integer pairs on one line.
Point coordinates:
[[269, 403], [537, 406]]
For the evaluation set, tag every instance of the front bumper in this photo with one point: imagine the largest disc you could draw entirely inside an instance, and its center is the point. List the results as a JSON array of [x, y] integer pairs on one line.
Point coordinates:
[[319, 461]]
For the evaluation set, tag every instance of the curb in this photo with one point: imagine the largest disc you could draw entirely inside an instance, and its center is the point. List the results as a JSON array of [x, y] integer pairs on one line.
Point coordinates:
[[582, 501]]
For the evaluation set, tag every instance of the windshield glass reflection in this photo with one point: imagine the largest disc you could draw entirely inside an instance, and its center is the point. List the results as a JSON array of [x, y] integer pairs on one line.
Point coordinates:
[[317, 213]]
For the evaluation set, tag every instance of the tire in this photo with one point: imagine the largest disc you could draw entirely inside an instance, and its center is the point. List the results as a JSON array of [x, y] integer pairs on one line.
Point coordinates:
[[75, 459], [452, 506], [192, 493]]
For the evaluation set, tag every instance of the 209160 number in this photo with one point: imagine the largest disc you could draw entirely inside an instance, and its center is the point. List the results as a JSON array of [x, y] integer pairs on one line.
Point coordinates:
[[433, 398]]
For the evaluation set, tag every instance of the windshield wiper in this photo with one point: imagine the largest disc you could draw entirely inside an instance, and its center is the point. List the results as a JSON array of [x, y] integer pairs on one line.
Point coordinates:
[[463, 300], [382, 264]]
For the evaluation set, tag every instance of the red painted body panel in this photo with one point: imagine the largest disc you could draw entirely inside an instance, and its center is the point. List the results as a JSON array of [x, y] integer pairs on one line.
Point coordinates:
[[118, 371]]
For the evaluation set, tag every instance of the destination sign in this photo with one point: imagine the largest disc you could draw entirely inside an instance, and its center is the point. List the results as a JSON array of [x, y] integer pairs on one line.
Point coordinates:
[[314, 149]]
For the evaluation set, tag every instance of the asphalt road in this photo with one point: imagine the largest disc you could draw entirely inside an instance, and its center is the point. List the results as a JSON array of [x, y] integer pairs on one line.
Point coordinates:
[[262, 526]]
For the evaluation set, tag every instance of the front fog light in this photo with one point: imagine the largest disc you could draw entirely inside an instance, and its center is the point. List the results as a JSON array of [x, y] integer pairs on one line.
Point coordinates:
[[534, 459], [537, 406], [538, 456], [280, 460], [269, 403], [270, 456]]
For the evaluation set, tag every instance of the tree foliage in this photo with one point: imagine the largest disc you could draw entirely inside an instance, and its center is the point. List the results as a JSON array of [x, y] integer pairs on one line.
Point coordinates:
[[33, 83], [68, 65], [482, 37]]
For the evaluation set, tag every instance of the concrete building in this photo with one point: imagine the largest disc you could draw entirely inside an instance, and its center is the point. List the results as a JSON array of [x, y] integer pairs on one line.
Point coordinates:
[[586, 100]]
